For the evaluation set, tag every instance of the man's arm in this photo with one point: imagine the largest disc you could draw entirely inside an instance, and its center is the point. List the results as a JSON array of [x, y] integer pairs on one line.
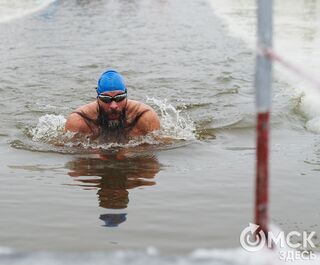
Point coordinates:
[[148, 122], [75, 123]]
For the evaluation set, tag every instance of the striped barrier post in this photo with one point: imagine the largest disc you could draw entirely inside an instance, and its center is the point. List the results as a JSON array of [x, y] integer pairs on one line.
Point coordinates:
[[263, 79]]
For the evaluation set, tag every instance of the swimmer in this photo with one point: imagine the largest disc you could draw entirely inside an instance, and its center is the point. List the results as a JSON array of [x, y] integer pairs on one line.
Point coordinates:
[[112, 116]]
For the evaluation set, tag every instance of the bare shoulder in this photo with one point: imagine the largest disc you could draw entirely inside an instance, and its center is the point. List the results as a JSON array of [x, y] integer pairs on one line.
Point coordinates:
[[76, 123], [90, 109], [149, 120]]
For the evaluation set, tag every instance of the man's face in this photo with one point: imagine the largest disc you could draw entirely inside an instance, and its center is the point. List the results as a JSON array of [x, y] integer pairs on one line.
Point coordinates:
[[113, 109]]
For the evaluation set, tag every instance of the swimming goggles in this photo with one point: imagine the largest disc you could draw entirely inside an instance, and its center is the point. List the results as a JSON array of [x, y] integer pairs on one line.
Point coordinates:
[[109, 99]]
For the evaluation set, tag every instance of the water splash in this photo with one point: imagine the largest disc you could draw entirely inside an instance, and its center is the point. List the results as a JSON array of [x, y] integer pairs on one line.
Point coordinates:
[[309, 106], [49, 129], [173, 124], [313, 125], [49, 133], [14, 9]]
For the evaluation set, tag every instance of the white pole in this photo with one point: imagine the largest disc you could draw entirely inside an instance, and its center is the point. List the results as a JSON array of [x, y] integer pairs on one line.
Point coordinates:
[[263, 79]]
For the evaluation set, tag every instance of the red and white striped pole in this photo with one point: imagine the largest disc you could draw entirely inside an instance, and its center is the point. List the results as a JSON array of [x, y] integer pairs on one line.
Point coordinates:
[[263, 79]]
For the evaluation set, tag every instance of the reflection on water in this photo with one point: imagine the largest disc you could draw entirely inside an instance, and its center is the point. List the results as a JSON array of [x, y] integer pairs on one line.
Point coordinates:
[[113, 175], [113, 219]]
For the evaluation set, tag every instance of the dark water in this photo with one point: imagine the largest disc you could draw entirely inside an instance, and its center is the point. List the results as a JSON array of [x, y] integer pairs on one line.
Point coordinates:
[[196, 192]]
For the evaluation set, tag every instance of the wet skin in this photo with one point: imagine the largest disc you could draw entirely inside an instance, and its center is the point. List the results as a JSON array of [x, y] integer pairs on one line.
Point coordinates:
[[148, 122]]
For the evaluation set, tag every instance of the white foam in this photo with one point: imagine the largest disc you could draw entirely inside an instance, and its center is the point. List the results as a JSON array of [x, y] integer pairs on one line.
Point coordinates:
[[313, 125], [238, 16], [199, 256], [152, 251], [262, 257], [15, 9], [6, 251]]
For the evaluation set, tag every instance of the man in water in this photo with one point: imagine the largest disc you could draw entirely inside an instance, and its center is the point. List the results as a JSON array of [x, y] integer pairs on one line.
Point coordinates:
[[112, 117]]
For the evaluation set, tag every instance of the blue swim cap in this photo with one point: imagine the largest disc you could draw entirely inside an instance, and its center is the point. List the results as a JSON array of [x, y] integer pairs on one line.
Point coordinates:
[[110, 81]]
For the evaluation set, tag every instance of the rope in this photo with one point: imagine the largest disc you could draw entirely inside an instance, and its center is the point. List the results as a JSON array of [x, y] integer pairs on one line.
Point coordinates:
[[271, 54]]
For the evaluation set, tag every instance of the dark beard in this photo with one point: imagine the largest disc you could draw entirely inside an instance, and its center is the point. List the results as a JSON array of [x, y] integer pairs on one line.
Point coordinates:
[[112, 129]]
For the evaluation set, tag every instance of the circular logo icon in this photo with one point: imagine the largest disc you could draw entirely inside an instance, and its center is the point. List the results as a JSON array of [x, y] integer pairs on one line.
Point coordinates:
[[251, 240]]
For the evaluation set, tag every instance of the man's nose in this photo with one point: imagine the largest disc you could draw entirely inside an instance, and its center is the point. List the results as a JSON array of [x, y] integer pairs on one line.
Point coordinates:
[[113, 105]]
